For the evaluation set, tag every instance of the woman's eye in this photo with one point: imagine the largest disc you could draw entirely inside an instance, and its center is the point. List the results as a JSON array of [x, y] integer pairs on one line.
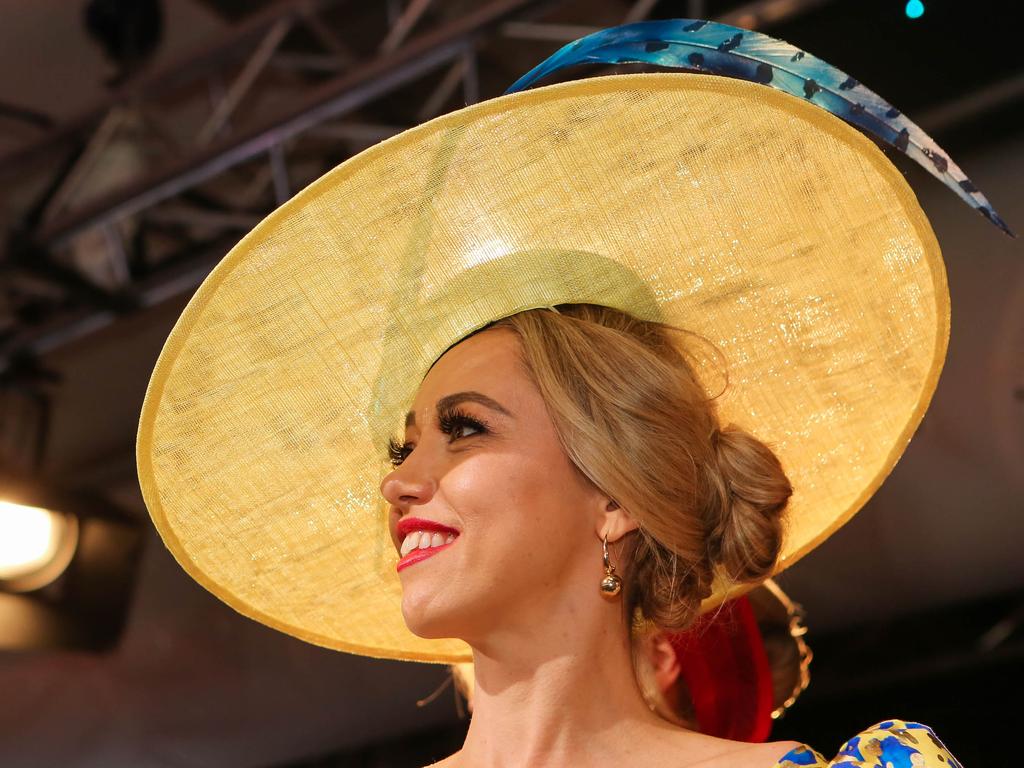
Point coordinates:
[[398, 452], [459, 425], [464, 429]]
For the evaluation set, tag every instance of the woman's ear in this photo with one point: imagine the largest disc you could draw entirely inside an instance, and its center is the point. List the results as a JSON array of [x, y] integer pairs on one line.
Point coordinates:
[[614, 522], [664, 661]]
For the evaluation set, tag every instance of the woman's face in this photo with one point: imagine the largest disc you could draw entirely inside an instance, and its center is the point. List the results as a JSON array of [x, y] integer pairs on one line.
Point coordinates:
[[481, 457]]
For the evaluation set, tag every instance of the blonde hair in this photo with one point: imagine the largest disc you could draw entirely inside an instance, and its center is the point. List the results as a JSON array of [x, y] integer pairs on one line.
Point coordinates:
[[633, 417]]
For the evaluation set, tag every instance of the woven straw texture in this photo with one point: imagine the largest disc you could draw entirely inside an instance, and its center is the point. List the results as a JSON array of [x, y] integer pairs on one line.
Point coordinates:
[[746, 215]]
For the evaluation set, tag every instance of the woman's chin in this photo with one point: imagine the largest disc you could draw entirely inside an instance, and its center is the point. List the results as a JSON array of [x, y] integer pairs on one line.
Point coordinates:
[[429, 628], [426, 619]]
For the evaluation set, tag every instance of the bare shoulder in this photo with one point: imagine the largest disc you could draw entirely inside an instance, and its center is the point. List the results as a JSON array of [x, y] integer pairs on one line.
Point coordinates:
[[713, 753], [767, 755], [723, 753], [449, 762]]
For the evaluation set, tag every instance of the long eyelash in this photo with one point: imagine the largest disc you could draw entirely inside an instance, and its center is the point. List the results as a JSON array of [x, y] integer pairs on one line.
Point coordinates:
[[452, 419], [397, 452]]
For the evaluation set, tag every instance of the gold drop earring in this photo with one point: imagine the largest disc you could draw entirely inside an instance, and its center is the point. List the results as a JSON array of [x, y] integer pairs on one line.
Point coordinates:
[[611, 583]]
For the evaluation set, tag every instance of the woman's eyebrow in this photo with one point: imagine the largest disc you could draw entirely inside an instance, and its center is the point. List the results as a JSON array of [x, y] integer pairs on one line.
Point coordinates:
[[449, 401]]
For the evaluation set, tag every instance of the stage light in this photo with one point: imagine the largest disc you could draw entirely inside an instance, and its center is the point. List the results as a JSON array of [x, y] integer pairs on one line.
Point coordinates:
[[68, 558], [36, 546], [914, 9]]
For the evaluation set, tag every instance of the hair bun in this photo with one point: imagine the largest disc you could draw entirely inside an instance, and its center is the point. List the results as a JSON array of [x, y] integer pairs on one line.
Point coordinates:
[[750, 491]]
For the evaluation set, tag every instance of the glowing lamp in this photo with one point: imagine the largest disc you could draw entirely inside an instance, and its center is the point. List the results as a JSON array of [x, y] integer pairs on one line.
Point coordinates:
[[36, 546]]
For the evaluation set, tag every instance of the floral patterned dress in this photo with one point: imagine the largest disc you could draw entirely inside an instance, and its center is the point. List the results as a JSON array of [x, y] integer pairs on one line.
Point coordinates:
[[890, 744]]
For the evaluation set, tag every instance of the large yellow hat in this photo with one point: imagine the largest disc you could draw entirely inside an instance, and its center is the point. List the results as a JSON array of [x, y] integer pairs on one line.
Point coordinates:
[[749, 216]]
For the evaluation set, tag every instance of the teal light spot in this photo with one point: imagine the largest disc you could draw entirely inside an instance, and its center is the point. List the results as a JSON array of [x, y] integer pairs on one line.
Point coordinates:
[[914, 9]]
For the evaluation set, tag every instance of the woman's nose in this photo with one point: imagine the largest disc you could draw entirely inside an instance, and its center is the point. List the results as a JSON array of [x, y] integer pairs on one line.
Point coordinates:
[[406, 486]]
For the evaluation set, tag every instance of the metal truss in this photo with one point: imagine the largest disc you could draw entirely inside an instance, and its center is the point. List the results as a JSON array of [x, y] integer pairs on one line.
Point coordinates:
[[232, 129]]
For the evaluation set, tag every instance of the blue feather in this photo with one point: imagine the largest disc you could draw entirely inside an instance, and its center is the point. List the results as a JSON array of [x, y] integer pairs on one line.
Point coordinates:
[[706, 46]]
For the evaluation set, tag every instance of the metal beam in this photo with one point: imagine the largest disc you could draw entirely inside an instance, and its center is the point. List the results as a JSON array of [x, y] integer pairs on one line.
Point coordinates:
[[993, 96], [358, 133], [117, 256], [750, 16], [279, 173], [16, 112], [444, 90], [331, 99], [470, 76], [762, 13], [194, 63], [559, 33], [181, 277], [85, 163], [310, 16], [252, 69], [308, 62], [640, 10], [191, 216], [403, 25]]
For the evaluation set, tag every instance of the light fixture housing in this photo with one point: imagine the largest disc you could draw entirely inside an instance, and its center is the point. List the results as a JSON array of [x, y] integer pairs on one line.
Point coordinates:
[[36, 545], [68, 562]]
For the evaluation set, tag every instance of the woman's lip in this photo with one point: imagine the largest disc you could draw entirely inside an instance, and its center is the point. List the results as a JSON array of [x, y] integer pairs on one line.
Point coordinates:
[[420, 554], [409, 524]]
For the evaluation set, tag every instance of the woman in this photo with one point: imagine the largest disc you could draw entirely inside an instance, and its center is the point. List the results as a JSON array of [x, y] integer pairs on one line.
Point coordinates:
[[483, 458], [483, 467], [496, 293]]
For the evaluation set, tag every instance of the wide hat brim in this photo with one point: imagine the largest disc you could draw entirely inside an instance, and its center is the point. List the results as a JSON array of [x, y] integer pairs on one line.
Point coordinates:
[[757, 220]]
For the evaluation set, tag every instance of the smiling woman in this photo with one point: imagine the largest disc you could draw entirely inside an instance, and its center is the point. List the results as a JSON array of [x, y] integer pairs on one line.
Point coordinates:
[[624, 406], [574, 417], [497, 475], [561, 435]]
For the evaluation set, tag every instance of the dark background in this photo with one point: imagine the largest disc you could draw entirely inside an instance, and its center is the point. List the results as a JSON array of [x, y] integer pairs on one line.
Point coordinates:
[[122, 186]]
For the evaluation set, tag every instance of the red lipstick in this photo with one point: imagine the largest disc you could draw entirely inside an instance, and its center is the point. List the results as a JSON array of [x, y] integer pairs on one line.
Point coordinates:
[[409, 524], [419, 554]]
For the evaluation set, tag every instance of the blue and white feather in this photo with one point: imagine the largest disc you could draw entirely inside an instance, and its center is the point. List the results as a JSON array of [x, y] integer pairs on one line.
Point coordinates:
[[706, 46]]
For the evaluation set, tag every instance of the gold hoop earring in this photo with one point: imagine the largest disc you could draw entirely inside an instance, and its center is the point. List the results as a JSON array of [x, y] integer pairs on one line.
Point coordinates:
[[611, 583]]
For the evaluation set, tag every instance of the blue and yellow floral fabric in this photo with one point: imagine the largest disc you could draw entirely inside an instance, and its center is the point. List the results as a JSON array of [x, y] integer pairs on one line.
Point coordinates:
[[890, 744]]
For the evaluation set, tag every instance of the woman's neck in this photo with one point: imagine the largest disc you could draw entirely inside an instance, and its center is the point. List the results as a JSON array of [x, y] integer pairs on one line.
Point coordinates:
[[557, 696]]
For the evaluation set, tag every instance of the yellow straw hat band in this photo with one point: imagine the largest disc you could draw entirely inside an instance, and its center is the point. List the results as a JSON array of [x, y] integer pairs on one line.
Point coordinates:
[[751, 217]]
